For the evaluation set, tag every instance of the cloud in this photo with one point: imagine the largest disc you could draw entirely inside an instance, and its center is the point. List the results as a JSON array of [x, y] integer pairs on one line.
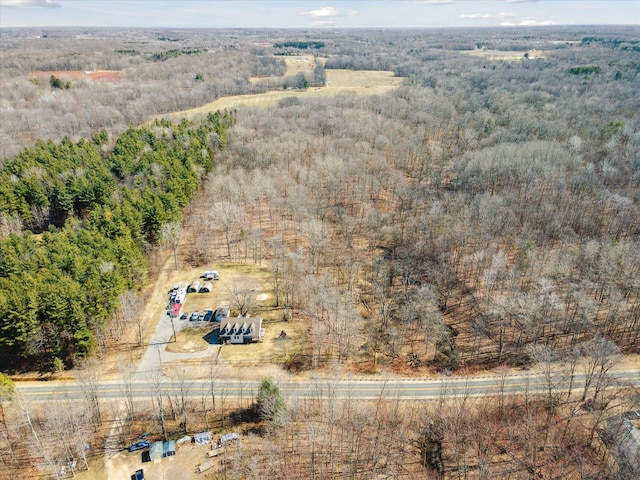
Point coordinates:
[[433, 2], [487, 15], [322, 12], [326, 12], [30, 3]]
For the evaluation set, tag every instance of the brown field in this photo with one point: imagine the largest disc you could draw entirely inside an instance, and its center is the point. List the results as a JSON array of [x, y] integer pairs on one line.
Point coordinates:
[[78, 74], [301, 63], [338, 81], [295, 64], [363, 82]]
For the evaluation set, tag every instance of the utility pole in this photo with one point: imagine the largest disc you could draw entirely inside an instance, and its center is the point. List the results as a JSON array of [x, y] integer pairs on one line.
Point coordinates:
[[159, 360]]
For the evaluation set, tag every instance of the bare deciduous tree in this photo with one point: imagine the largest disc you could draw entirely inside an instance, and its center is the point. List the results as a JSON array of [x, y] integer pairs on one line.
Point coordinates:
[[89, 377], [242, 298], [600, 356], [170, 238], [226, 217]]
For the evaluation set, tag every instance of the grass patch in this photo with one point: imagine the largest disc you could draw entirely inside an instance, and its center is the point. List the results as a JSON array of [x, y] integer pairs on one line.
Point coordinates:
[[191, 340]]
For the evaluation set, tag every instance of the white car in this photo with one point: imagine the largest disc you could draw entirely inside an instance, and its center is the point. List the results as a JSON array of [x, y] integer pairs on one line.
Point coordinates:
[[211, 275]]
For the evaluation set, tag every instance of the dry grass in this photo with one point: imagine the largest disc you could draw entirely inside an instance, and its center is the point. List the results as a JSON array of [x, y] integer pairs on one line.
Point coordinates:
[[191, 340], [504, 55], [338, 81], [295, 64], [301, 63]]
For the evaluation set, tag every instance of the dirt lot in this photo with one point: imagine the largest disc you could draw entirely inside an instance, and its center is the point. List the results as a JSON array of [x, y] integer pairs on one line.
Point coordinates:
[[182, 466]]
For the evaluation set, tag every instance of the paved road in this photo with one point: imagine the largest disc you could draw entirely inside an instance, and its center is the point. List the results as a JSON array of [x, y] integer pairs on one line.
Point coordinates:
[[426, 389]]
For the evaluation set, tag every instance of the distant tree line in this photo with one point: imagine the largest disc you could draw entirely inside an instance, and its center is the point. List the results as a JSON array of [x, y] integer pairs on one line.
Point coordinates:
[[77, 218], [302, 45], [162, 56], [586, 70]]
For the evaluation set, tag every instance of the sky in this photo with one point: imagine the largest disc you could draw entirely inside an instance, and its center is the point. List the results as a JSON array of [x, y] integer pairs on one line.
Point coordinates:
[[315, 14]]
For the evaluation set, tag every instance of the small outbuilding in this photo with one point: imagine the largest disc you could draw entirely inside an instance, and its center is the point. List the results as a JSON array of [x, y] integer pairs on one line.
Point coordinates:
[[622, 437], [202, 438], [156, 451], [169, 448], [206, 287], [194, 287]]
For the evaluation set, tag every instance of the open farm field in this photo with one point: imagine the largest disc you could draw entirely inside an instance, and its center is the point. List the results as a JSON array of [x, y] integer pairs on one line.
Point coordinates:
[[294, 64], [338, 82], [505, 55], [301, 63]]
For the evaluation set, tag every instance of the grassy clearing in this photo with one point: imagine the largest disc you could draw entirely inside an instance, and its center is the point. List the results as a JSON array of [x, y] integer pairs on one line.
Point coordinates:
[[338, 81], [191, 340], [504, 55], [295, 64]]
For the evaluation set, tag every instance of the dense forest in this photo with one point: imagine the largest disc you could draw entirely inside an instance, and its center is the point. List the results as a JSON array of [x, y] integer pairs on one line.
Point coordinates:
[[77, 218], [485, 213]]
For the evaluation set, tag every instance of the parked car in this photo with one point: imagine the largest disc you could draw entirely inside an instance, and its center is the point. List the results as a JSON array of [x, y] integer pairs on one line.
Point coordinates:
[[221, 313], [139, 475], [211, 275], [139, 446], [201, 316], [194, 316], [208, 315], [184, 316]]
